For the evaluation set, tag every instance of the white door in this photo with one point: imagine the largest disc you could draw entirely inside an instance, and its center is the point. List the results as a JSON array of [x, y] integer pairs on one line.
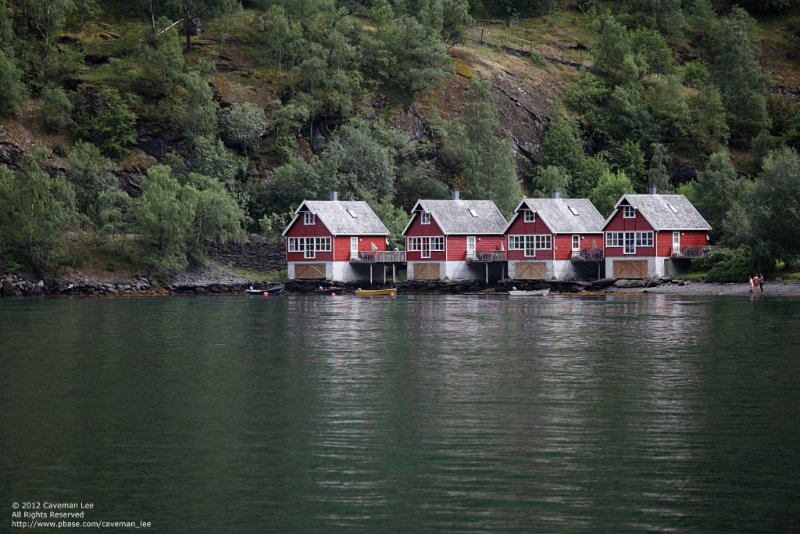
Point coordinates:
[[353, 247], [426, 247], [470, 246], [676, 242], [576, 243]]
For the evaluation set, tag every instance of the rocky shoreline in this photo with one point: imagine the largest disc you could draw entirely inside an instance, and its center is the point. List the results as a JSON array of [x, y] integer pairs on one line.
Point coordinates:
[[218, 280]]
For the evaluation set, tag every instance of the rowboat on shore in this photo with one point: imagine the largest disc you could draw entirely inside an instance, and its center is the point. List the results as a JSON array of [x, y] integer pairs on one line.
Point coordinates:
[[269, 292], [391, 292], [533, 293], [331, 291]]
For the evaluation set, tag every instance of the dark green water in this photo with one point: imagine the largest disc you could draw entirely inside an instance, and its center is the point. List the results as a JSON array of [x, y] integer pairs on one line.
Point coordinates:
[[440, 413]]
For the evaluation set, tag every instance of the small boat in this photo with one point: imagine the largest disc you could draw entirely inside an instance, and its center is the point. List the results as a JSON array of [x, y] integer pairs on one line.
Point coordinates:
[[269, 292], [391, 292], [514, 292], [332, 291]]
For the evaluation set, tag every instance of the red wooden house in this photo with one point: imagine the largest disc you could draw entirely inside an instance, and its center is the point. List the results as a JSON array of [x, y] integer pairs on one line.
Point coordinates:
[[554, 239], [649, 235], [455, 240], [335, 240]]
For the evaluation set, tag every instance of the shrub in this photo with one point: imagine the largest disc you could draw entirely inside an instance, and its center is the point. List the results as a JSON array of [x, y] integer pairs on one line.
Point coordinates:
[[730, 265]]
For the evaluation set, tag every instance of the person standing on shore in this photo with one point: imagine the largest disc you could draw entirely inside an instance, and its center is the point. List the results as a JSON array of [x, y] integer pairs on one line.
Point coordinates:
[[751, 284], [756, 282], [761, 282]]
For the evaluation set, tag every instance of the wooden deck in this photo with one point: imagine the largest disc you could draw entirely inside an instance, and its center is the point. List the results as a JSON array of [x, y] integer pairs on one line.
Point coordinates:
[[487, 257], [587, 255], [386, 256]]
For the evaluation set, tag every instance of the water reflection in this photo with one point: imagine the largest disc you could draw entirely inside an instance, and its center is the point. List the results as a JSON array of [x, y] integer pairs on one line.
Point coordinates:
[[429, 413]]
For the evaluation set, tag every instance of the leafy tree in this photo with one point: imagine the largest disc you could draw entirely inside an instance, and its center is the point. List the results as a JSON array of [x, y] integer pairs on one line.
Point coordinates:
[[393, 217], [418, 58], [775, 208], [653, 54], [210, 157], [91, 174], [609, 189], [200, 110], [550, 179], [6, 29], [418, 180], [87, 9], [191, 12], [296, 181], [112, 126], [112, 215], [484, 158], [284, 125], [670, 108], [627, 157], [658, 173], [217, 217], [708, 115], [12, 91], [46, 19], [455, 20], [163, 217], [35, 210], [243, 125], [735, 70], [716, 191], [156, 68], [612, 53], [55, 108]]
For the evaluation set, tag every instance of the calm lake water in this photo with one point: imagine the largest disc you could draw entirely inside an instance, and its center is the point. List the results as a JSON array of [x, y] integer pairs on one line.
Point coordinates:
[[426, 413]]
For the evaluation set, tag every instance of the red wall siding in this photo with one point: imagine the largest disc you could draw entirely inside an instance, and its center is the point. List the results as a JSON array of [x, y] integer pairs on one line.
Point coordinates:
[[637, 224], [520, 227], [664, 242], [456, 247], [688, 239], [298, 229], [563, 247], [342, 245], [417, 229]]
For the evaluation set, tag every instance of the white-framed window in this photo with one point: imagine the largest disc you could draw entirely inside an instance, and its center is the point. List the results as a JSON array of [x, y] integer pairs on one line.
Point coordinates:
[[417, 244], [644, 239], [309, 246], [425, 218], [530, 243], [629, 243], [628, 212], [530, 216], [576, 242], [614, 239]]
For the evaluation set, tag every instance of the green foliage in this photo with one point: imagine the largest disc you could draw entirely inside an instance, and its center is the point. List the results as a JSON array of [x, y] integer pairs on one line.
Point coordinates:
[[653, 54], [45, 21], [418, 180], [776, 206], [200, 111], [716, 191], [211, 158], [609, 189], [393, 217], [669, 108], [629, 158], [192, 11], [549, 180], [613, 60], [176, 222], [6, 29], [728, 265], [296, 181], [273, 224], [483, 158], [695, 74], [112, 214], [35, 210], [737, 74], [243, 126], [708, 116], [658, 172], [12, 91], [91, 174], [284, 125], [55, 108], [562, 147], [455, 20], [112, 125]]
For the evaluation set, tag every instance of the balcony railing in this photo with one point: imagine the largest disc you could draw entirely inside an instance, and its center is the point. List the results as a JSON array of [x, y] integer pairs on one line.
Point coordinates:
[[487, 256], [384, 256], [687, 252], [587, 254]]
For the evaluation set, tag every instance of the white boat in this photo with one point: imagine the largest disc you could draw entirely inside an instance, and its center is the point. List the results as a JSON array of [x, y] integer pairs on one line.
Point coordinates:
[[514, 292]]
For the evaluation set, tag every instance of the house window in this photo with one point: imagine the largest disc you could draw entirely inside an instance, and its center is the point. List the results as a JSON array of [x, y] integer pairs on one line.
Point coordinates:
[[530, 243], [576, 242], [530, 216], [425, 218], [416, 244], [543, 242], [628, 212], [516, 242], [629, 243], [437, 243], [644, 239], [309, 246], [614, 239], [308, 218]]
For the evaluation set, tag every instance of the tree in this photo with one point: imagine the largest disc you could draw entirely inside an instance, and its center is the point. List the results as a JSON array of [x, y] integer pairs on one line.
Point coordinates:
[[210, 157], [46, 20], [191, 12], [609, 189], [163, 218], [612, 52], [484, 158], [456, 19], [112, 126], [243, 125], [200, 110], [217, 217], [708, 116], [736, 72], [35, 210], [716, 191], [775, 208], [653, 54], [658, 173], [12, 91], [550, 179], [55, 108], [91, 174], [6, 29]]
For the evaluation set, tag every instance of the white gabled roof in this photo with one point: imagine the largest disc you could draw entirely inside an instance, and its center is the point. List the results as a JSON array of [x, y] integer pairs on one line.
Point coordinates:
[[462, 216], [565, 215], [343, 217], [664, 212]]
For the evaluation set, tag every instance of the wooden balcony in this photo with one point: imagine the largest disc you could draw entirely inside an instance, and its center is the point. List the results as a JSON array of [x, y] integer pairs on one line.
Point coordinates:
[[687, 252], [384, 256], [589, 255], [487, 256]]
